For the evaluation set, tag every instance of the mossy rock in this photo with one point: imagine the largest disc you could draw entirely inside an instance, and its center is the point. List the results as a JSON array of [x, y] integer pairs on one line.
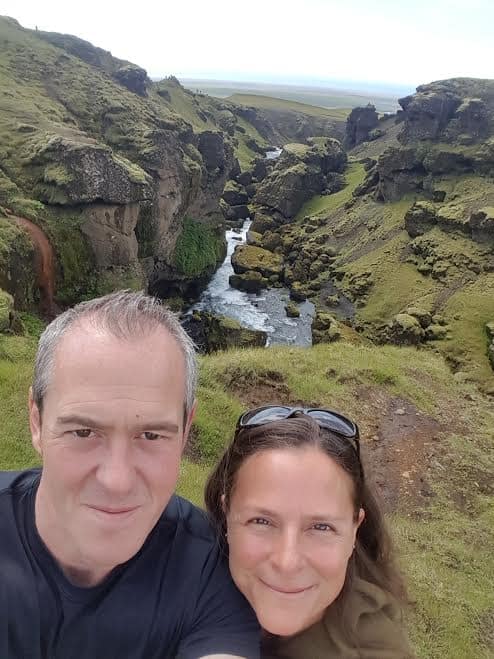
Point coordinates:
[[332, 300], [248, 257], [235, 194], [6, 310], [423, 316], [263, 222], [323, 321], [292, 311], [489, 328], [212, 333], [436, 332], [297, 292], [250, 281], [405, 329]]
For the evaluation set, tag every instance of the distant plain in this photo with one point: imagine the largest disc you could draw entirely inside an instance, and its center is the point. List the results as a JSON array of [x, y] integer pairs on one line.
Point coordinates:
[[385, 100]]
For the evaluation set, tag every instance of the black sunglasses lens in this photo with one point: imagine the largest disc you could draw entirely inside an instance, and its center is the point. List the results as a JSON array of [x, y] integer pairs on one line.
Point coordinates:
[[334, 423], [264, 415]]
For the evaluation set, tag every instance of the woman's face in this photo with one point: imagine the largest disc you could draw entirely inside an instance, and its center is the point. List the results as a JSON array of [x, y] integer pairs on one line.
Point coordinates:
[[291, 530]]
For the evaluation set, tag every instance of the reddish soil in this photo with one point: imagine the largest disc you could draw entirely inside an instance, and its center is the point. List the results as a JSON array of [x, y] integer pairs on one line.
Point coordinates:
[[44, 262]]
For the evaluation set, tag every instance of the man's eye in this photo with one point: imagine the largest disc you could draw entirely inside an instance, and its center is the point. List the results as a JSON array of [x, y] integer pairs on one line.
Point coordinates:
[[151, 436], [82, 433]]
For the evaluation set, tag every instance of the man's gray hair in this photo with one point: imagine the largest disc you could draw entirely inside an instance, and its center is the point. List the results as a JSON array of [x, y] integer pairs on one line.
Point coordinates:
[[126, 315]]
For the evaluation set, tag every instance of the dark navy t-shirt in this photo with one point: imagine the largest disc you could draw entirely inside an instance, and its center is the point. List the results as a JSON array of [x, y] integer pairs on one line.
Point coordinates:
[[174, 598]]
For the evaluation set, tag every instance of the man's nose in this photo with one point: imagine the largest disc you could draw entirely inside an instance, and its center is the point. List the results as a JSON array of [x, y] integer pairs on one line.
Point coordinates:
[[287, 554], [116, 470]]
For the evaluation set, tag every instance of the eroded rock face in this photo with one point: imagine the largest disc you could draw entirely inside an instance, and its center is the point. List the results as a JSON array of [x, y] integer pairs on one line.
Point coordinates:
[[457, 110], [132, 77], [110, 232], [359, 124], [73, 173]]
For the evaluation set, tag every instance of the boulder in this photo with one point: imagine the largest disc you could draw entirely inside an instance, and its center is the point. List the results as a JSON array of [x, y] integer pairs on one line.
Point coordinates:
[[292, 311], [423, 316], [235, 194], [436, 332], [212, 333], [420, 218], [133, 78], [481, 224], [250, 281], [297, 292], [249, 257], [325, 328], [405, 330]]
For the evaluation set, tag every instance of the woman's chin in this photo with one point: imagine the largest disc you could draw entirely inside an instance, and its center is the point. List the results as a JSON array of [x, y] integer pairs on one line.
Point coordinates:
[[282, 626]]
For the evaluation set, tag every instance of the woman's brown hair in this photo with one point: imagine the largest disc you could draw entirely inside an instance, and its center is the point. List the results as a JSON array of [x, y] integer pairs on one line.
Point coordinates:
[[372, 558]]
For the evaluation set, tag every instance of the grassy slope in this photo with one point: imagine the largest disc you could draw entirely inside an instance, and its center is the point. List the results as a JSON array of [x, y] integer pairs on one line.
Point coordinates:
[[271, 103], [371, 237], [444, 545]]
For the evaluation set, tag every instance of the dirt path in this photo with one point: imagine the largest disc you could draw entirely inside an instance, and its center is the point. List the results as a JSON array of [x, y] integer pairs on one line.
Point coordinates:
[[44, 264]]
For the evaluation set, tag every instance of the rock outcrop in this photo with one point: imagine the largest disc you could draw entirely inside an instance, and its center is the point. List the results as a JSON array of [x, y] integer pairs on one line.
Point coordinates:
[[300, 173], [212, 333], [359, 125], [457, 110]]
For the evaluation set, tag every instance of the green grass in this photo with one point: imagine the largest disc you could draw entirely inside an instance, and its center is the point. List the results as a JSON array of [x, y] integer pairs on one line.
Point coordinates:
[[323, 204], [272, 103]]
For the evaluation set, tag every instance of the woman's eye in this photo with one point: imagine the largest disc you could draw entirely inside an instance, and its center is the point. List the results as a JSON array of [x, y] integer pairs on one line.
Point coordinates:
[[151, 436], [321, 526], [260, 521]]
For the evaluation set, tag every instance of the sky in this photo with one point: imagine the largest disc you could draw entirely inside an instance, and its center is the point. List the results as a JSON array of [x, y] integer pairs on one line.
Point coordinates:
[[397, 42]]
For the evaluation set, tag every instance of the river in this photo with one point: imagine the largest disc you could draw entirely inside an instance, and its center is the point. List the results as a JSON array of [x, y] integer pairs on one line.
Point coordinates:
[[261, 312]]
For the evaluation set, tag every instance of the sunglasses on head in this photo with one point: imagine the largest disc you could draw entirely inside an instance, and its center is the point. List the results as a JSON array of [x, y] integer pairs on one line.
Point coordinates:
[[336, 423]]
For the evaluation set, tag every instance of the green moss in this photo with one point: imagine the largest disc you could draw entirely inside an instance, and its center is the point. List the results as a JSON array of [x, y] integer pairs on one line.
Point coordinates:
[[198, 248], [57, 174], [322, 204]]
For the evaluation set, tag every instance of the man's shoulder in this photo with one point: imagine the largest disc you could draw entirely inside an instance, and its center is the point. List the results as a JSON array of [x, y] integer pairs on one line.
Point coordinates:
[[192, 519], [14, 480]]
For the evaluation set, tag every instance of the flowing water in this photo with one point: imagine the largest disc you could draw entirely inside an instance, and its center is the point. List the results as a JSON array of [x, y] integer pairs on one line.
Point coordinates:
[[261, 312]]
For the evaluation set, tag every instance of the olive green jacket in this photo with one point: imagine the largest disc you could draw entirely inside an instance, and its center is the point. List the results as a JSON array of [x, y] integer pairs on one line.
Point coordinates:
[[375, 626]]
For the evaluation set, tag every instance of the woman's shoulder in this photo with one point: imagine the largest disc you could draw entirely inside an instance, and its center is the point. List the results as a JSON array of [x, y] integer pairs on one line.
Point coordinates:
[[373, 629]]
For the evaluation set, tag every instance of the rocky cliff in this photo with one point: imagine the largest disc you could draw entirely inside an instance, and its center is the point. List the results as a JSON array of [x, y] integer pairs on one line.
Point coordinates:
[[94, 155]]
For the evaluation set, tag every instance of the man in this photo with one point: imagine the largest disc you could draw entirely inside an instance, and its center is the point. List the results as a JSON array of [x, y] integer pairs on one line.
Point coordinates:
[[98, 558]]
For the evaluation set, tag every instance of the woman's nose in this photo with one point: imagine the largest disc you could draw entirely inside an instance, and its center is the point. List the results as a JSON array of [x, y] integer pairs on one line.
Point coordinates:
[[287, 553]]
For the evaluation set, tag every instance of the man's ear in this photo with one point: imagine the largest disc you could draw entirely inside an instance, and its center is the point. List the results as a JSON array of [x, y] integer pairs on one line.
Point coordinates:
[[35, 423], [188, 422]]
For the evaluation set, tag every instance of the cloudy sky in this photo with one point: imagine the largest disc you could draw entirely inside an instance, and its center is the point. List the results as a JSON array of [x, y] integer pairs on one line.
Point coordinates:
[[405, 42]]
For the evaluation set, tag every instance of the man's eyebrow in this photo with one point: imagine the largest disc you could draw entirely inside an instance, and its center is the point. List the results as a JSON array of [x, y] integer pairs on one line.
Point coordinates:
[[76, 420], [88, 422]]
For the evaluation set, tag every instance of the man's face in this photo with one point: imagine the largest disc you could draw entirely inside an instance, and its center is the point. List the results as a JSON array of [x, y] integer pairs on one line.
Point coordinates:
[[111, 436]]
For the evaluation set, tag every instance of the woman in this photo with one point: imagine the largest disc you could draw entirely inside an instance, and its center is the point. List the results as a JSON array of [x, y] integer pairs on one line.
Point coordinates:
[[306, 540]]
